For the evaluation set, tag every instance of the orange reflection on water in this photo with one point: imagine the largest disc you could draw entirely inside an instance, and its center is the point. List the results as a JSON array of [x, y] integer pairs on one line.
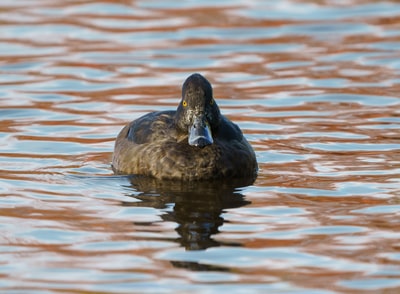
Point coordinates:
[[313, 85]]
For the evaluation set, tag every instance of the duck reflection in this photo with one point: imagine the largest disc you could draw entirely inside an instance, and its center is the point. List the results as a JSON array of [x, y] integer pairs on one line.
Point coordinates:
[[197, 206]]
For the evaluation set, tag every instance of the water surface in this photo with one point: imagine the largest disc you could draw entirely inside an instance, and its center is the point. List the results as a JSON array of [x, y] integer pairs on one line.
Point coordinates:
[[315, 87]]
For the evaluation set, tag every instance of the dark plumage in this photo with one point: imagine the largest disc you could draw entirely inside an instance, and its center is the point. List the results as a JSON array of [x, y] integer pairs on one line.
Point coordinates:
[[195, 142]]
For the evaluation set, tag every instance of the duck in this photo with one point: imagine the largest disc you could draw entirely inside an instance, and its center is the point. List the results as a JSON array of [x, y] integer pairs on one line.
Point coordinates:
[[192, 143]]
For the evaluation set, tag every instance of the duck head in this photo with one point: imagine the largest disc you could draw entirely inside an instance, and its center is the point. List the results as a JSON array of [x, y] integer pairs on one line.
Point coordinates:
[[198, 113]]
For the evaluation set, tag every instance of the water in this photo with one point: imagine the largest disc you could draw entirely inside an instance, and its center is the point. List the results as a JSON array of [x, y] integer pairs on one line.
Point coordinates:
[[315, 87]]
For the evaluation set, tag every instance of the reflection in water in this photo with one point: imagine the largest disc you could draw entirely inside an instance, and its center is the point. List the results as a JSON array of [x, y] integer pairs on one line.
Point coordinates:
[[314, 85], [197, 206]]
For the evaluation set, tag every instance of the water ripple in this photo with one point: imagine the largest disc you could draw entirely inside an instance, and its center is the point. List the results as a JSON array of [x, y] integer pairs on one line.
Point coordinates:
[[313, 85]]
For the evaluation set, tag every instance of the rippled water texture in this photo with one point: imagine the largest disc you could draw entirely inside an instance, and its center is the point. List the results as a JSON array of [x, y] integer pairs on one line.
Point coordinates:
[[315, 86]]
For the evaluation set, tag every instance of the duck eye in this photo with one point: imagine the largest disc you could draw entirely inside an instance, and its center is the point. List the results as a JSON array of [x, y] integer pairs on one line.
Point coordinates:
[[211, 101], [184, 103]]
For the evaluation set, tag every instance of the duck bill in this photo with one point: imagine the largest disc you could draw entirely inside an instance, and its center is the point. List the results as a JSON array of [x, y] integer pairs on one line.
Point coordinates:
[[200, 133]]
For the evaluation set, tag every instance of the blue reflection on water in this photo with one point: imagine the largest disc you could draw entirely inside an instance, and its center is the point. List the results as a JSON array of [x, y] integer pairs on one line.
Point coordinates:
[[311, 11], [353, 146], [287, 71]]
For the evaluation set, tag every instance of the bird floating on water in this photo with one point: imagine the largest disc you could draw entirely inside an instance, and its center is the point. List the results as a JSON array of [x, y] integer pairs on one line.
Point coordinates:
[[193, 142]]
